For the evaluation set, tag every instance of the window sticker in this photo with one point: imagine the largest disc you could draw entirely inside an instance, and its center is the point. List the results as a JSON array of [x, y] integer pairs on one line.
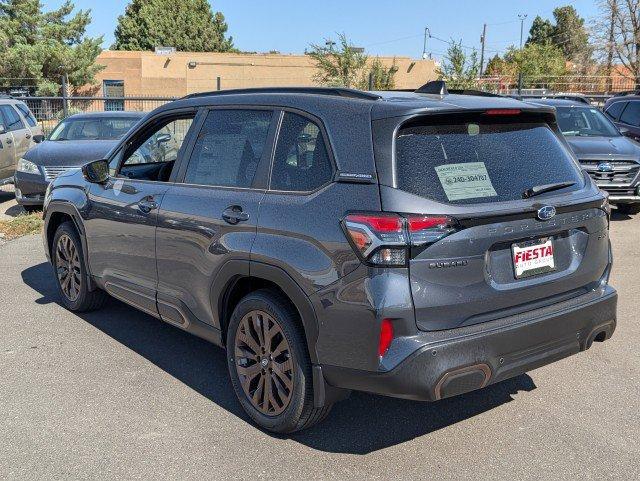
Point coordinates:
[[465, 181]]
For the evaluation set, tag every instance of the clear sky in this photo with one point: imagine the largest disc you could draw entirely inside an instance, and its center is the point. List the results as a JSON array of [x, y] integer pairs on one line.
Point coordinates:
[[382, 27]]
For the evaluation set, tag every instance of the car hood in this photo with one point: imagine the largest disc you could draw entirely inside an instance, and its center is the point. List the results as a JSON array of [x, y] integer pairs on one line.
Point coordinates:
[[70, 153], [597, 148]]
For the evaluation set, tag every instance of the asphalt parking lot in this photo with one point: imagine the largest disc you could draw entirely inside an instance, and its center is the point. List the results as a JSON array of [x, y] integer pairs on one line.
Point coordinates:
[[118, 394]]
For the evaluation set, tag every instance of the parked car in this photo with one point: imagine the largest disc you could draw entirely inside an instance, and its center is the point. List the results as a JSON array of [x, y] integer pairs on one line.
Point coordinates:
[[611, 159], [74, 141], [19, 130], [624, 110], [418, 245]]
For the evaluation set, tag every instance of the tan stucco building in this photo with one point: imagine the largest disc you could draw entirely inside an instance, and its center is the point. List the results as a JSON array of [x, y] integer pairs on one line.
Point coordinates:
[[180, 73]]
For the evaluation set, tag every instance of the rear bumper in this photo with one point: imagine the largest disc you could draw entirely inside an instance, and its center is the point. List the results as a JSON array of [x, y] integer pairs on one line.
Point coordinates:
[[465, 359]]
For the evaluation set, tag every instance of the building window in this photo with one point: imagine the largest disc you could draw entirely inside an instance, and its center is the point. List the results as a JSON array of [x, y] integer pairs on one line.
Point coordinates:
[[115, 89]]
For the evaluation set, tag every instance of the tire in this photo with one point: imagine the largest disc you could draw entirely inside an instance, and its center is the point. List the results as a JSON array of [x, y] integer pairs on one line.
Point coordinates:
[[66, 255], [247, 372], [629, 209]]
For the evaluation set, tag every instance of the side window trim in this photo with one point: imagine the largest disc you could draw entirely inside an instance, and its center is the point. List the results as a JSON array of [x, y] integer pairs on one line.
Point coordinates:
[[146, 128], [325, 138], [260, 180]]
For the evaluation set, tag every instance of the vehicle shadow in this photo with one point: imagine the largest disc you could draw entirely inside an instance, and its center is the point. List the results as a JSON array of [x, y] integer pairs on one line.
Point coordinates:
[[617, 215], [361, 424]]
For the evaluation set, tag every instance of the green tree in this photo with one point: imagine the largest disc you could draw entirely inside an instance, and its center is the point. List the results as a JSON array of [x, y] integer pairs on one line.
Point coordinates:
[[383, 77], [187, 25], [340, 66], [570, 34], [541, 31], [40, 47], [539, 64], [459, 70]]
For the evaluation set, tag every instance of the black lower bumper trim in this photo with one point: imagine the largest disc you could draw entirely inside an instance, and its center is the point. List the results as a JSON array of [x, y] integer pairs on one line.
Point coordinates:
[[467, 362]]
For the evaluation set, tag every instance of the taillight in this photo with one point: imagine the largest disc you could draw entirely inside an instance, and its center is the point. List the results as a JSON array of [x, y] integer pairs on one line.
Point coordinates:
[[425, 230], [386, 336], [387, 239]]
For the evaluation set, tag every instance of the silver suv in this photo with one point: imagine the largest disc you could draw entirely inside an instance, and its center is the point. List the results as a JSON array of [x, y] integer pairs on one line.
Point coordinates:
[[19, 130]]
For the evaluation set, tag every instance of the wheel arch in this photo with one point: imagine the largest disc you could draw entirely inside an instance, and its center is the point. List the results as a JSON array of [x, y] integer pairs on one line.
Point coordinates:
[[56, 214], [239, 278]]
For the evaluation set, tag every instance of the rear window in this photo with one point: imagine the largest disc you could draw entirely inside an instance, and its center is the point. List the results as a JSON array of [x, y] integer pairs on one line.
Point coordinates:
[[480, 160]]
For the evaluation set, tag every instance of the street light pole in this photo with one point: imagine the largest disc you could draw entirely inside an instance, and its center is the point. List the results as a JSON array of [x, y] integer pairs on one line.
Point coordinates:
[[522, 17]]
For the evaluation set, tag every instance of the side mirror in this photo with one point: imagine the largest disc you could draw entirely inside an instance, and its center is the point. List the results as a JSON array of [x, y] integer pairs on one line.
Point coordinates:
[[2, 129], [38, 138], [96, 172], [163, 138]]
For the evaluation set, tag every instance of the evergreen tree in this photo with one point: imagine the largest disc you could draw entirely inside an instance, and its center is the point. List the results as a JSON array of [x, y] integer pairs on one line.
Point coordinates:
[[40, 47], [187, 25]]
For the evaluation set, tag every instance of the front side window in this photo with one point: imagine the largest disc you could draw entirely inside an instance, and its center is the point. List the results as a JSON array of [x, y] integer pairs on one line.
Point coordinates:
[[228, 148], [93, 128], [301, 163], [631, 115], [615, 110], [162, 144], [12, 120]]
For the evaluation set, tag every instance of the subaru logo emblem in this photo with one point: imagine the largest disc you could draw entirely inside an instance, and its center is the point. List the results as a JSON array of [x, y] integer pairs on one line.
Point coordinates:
[[547, 212], [605, 167]]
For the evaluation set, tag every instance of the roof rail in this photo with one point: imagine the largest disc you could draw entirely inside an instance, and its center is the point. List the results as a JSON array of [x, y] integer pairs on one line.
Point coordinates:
[[4, 96], [336, 91], [434, 87]]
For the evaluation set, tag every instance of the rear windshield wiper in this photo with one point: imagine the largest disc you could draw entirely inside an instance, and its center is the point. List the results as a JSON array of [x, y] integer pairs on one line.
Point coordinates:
[[541, 189]]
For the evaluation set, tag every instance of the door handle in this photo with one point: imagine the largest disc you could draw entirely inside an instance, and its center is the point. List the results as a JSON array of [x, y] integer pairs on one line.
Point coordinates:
[[234, 214], [9, 141], [147, 205], [27, 135]]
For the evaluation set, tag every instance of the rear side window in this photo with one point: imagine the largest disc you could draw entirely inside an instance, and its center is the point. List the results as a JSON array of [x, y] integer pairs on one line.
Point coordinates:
[[11, 118], [480, 160], [228, 148], [615, 110], [301, 163], [631, 114], [26, 113]]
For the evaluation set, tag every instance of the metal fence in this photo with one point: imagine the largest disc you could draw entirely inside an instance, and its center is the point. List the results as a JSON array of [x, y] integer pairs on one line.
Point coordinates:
[[51, 110]]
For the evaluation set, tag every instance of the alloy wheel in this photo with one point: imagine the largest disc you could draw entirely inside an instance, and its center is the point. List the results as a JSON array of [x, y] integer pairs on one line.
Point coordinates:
[[68, 267], [263, 363]]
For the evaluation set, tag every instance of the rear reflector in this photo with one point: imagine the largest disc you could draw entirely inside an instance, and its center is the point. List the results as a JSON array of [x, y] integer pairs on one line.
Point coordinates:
[[386, 336]]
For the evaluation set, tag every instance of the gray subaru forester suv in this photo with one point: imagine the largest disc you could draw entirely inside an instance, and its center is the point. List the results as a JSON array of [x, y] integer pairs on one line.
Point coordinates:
[[412, 244]]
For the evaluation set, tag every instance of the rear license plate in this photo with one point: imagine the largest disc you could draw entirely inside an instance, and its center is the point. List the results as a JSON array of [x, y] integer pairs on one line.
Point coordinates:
[[533, 257]]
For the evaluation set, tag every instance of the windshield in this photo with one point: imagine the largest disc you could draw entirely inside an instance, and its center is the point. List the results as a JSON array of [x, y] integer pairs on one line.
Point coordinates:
[[111, 128], [584, 122], [480, 160]]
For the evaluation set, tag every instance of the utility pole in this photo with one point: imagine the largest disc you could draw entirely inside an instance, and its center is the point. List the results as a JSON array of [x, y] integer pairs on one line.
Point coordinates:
[[424, 45], [521, 16], [482, 40]]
